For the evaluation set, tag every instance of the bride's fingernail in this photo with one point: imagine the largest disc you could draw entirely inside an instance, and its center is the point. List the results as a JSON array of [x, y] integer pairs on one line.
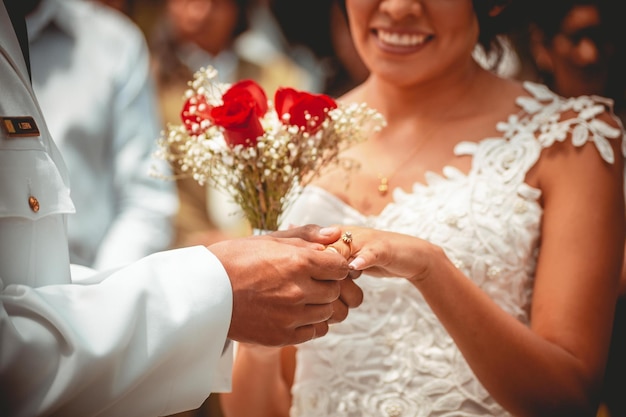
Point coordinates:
[[357, 263]]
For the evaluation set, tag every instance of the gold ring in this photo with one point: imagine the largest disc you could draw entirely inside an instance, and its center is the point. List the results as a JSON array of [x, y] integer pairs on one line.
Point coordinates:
[[346, 237]]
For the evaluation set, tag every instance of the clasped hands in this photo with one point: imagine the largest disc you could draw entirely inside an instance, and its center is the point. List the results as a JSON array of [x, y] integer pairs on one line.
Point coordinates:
[[289, 285]]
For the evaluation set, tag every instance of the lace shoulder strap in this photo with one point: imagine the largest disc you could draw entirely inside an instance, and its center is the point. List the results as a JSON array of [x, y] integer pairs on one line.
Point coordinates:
[[545, 118], [585, 119]]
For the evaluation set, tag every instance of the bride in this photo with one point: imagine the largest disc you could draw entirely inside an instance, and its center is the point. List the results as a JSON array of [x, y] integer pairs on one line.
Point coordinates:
[[488, 220]]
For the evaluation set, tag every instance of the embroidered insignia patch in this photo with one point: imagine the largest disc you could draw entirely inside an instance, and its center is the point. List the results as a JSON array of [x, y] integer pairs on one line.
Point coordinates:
[[20, 126]]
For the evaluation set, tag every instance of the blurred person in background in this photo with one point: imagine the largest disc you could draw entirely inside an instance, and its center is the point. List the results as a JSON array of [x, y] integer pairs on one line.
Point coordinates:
[[191, 34], [578, 47], [106, 127]]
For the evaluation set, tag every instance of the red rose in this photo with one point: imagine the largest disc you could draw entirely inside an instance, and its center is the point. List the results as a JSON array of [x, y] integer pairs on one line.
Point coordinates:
[[245, 103], [195, 110], [299, 104]]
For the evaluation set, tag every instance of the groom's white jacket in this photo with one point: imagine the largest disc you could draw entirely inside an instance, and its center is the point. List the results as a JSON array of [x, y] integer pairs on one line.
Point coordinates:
[[144, 340]]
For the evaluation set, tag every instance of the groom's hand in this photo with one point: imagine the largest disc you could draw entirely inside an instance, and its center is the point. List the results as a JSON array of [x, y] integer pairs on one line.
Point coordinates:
[[286, 289], [351, 294]]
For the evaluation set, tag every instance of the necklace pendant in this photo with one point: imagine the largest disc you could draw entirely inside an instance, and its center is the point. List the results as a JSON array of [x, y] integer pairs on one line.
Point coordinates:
[[383, 187]]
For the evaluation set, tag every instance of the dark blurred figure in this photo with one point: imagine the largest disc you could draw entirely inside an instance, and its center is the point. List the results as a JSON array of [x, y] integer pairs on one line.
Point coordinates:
[[325, 33], [193, 33], [578, 47]]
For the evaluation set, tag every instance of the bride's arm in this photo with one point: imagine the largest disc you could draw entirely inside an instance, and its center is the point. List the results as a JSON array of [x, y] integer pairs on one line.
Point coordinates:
[[555, 366], [262, 379]]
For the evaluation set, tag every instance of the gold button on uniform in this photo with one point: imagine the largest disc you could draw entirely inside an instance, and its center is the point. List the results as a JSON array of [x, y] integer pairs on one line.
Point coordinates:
[[33, 203]]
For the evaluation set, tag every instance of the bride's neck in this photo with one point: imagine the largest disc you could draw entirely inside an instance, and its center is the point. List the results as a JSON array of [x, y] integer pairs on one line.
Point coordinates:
[[433, 100]]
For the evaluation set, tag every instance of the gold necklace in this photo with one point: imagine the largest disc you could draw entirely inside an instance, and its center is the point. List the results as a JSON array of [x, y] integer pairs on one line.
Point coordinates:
[[383, 185]]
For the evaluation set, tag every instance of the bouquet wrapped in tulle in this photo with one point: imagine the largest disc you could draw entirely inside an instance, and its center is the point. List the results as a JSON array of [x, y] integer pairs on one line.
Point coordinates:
[[260, 152]]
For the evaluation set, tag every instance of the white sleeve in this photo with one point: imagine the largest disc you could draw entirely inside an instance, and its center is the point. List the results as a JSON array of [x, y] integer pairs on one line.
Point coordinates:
[[144, 340]]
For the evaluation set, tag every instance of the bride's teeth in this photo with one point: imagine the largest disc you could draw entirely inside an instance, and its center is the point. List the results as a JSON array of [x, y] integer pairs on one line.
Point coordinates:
[[401, 39]]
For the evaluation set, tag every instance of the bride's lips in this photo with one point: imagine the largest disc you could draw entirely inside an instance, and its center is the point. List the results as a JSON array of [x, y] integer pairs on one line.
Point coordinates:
[[401, 42]]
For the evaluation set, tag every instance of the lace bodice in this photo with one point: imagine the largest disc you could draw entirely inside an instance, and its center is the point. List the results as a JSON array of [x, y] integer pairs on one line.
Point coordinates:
[[391, 357]]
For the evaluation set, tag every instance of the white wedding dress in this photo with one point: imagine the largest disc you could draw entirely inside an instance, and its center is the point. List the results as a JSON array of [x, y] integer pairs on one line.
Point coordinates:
[[391, 357]]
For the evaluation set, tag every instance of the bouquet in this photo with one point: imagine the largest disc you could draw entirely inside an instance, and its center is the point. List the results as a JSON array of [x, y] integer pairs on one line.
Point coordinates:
[[260, 152]]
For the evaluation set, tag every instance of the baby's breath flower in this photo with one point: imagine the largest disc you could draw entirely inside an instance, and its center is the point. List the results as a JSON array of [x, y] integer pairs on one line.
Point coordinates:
[[265, 177]]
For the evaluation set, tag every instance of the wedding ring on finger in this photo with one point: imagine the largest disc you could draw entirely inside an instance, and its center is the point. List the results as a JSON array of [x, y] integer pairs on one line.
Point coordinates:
[[346, 237]]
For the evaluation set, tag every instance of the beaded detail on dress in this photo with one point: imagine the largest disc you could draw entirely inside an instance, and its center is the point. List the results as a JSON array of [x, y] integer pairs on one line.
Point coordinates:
[[391, 357]]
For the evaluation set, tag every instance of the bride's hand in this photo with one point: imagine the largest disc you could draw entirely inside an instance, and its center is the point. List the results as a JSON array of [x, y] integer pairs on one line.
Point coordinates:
[[387, 254]]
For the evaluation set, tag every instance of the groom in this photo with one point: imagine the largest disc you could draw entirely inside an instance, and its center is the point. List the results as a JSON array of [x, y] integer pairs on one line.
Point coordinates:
[[144, 340]]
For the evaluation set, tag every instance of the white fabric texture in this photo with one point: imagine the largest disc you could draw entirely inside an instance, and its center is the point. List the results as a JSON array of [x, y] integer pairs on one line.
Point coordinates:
[[392, 357], [143, 341], [91, 75]]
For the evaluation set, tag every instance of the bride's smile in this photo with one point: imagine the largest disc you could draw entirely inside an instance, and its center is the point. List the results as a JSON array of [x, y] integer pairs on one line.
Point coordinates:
[[401, 41]]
